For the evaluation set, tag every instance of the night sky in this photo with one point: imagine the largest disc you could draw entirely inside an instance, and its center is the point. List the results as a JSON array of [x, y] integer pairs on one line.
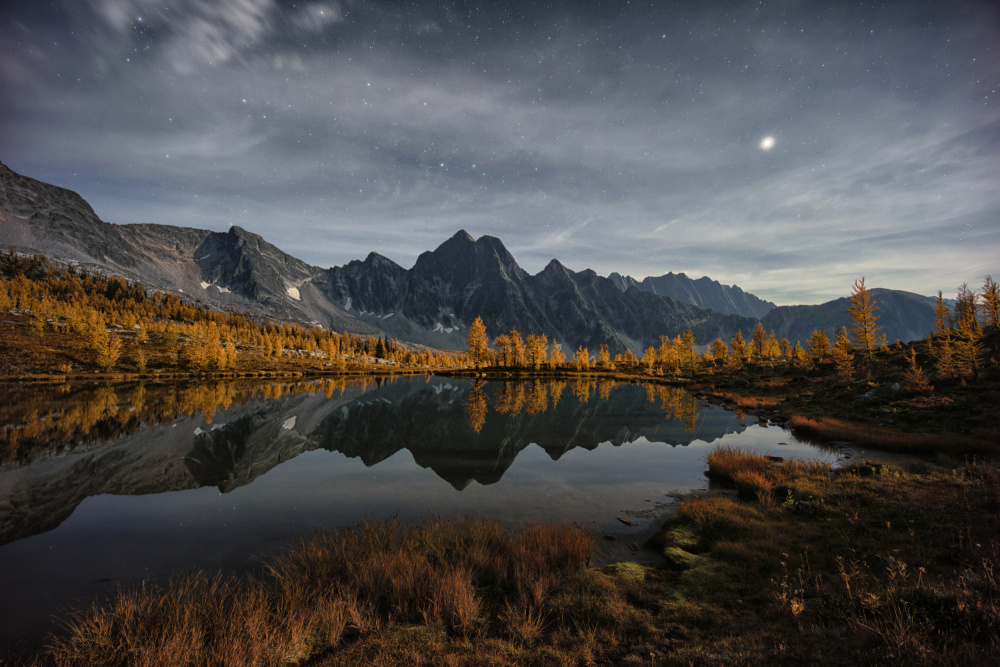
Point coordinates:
[[787, 147]]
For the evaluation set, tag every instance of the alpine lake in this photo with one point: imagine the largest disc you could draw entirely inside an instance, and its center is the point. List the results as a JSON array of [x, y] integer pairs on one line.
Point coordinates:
[[107, 485]]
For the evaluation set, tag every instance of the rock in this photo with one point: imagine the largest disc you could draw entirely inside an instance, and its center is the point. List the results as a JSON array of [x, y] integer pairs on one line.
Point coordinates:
[[626, 521], [881, 391]]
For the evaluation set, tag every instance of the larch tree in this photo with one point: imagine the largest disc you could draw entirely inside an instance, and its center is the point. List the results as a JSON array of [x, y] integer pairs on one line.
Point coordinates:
[[965, 313], [968, 334], [604, 358], [942, 318], [819, 345], [758, 342], [556, 357], [649, 358], [990, 306], [862, 319], [477, 343], [535, 349], [720, 351], [738, 350], [505, 350], [516, 348], [843, 360]]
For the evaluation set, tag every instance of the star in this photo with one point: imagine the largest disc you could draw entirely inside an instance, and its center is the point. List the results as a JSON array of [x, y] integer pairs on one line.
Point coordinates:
[[767, 143]]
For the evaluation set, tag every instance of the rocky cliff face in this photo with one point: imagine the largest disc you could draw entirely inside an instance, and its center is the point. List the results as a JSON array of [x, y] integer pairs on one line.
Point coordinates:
[[433, 303]]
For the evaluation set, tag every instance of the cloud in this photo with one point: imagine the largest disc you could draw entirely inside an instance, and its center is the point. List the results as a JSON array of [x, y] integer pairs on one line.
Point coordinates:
[[317, 16], [622, 139]]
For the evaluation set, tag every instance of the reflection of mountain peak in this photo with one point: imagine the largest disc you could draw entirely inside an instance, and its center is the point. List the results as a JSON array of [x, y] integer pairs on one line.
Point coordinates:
[[429, 419], [447, 444]]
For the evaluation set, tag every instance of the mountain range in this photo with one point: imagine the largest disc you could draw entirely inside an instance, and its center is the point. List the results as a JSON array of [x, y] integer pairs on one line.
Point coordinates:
[[431, 303]]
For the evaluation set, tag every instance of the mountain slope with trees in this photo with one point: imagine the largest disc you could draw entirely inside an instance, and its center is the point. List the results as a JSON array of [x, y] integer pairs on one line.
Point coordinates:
[[432, 303]]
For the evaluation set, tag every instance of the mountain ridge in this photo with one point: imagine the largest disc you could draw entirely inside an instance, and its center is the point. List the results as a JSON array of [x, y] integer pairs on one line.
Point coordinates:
[[432, 303]]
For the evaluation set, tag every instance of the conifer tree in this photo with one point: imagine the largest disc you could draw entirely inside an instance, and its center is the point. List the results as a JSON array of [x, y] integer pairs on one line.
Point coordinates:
[[758, 342], [688, 352], [738, 350], [604, 358], [556, 357], [720, 351], [649, 358], [516, 348], [800, 358], [943, 351], [863, 327], [505, 350], [477, 343], [965, 313], [990, 306], [914, 378], [843, 360], [108, 353], [535, 347], [819, 345], [942, 319], [968, 335]]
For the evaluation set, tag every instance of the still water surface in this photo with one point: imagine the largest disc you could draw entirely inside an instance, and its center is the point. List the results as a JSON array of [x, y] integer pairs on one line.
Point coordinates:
[[110, 485]]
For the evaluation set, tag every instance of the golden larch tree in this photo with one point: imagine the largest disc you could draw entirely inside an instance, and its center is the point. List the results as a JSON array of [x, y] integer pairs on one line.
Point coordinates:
[[477, 344], [990, 306], [862, 319]]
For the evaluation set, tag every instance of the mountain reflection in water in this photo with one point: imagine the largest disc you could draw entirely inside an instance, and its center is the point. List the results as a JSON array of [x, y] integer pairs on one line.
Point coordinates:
[[65, 443], [111, 484]]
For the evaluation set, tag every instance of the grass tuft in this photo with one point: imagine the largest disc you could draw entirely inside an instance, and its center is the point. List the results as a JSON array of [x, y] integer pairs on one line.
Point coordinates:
[[724, 462], [334, 588]]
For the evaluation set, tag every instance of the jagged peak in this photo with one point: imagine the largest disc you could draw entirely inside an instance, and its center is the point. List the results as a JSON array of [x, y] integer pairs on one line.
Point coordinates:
[[239, 232], [377, 260], [462, 235]]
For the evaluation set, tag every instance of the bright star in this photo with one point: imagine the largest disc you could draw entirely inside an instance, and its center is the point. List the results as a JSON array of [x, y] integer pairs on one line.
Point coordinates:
[[767, 143]]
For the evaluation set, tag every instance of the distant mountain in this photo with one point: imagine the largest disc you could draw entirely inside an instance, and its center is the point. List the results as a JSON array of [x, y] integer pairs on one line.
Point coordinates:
[[901, 315], [433, 303], [703, 292]]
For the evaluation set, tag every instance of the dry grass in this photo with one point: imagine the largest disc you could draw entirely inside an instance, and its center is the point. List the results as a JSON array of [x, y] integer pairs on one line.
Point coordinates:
[[873, 565], [455, 575], [885, 438], [724, 462], [751, 401], [754, 485]]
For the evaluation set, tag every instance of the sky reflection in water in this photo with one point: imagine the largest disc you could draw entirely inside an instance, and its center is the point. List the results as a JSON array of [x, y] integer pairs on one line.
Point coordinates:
[[307, 461]]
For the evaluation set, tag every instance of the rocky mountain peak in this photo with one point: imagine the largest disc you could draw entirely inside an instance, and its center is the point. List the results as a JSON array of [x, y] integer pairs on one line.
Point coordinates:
[[462, 260]]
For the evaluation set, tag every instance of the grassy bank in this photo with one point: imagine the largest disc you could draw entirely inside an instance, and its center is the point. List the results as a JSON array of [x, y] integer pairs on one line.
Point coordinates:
[[871, 564]]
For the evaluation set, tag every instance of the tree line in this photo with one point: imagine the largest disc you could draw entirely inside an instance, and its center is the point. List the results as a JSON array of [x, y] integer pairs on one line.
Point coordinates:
[[126, 327], [123, 324], [955, 344]]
